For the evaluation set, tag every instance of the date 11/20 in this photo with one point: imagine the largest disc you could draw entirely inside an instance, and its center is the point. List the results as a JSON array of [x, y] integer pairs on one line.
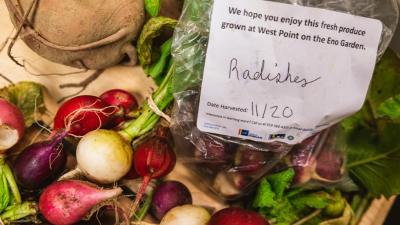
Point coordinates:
[[273, 111]]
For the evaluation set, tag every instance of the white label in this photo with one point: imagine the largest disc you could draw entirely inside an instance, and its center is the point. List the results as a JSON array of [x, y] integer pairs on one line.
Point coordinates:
[[279, 72]]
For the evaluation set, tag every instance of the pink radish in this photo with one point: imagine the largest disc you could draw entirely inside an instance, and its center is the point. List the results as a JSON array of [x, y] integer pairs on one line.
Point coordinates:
[[83, 114], [67, 202], [12, 125], [152, 159]]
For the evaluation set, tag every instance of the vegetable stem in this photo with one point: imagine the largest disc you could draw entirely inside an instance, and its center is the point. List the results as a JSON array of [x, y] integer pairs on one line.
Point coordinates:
[[19, 211], [371, 159], [145, 207], [148, 119], [309, 217], [11, 180]]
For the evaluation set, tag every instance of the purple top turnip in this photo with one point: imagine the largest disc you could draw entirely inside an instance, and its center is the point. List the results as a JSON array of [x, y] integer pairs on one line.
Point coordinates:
[[168, 195], [40, 163]]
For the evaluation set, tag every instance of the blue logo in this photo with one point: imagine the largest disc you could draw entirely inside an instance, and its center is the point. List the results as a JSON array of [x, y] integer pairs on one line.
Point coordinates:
[[244, 132]]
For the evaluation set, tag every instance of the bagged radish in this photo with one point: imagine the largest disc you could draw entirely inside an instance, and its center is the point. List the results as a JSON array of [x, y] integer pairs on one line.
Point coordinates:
[[254, 78]]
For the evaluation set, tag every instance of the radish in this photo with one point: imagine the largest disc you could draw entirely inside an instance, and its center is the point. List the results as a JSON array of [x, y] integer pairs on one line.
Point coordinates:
[[40, 163], [12, 125], [67, 202], [122, 99], [104, 156], [237, 216], [153, 159], [83, 114]]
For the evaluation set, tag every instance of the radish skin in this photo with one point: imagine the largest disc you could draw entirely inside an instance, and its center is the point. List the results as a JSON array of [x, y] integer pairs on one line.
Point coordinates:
[[12, 125], [104, 156], [67, 202]]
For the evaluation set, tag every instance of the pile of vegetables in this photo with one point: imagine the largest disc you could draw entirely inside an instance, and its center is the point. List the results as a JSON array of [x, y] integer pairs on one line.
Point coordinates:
[[110, 138]]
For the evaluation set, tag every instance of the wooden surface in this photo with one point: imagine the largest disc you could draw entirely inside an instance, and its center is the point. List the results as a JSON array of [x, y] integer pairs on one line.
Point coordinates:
[[129, 78]]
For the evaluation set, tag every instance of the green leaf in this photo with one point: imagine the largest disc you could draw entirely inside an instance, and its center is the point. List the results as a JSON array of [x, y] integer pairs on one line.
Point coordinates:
[[316, 200], [152, 7], [390, 108], [386, 80], [281, 181], [28, 97], [265, 196], [157, 69], [372, 165], [283, 213], [4, 192], [150, 31]]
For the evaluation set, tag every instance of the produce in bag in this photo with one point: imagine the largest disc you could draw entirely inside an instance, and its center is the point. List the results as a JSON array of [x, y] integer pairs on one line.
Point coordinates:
[[222, 76]]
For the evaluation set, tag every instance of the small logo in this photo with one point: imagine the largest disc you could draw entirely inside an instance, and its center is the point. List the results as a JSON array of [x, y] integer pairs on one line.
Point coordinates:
[[277, 136], [244, 132]]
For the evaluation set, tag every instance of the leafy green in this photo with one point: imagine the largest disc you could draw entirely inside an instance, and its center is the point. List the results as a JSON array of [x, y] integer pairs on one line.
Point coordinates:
[[157, 69], [283, 205], [281, 181], [316, 200], [152, 7], [265, 195], [374, 166], [390, 108], [150, 31], [4, 192], [370, 137], [28, 97]]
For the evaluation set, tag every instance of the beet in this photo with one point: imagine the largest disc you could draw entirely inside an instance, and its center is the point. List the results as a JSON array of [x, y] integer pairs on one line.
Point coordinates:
[[168, 195]]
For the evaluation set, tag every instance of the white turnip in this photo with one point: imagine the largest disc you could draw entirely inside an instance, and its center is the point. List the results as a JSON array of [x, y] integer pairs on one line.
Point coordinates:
[[186, 215], [104, 156]]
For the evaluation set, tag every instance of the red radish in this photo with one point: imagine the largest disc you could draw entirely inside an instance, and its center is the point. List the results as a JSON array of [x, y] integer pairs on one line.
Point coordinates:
[[12, 125], [121, 98], [67, 202], [40, 163], [83, 114], [104, 156], [237, 216], [125, 102], [154, 158]]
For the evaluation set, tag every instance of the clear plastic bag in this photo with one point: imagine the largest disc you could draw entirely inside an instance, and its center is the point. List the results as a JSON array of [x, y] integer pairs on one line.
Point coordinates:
[[232, 165]]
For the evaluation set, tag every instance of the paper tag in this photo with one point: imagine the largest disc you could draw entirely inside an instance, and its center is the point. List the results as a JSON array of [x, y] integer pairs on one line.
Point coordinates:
[[280, 72]]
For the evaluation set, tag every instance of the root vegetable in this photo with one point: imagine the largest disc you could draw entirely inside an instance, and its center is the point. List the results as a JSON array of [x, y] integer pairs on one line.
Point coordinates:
[[95, 35], [40, 163], [237, 216], [67, 202], [12, 125], [168, 195], [83, 114], [186, 215], [122, 99], [152, 159], [103, 156]]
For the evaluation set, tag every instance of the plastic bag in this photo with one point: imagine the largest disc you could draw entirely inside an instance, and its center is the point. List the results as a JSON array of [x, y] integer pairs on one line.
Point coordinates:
[[219, 159]]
